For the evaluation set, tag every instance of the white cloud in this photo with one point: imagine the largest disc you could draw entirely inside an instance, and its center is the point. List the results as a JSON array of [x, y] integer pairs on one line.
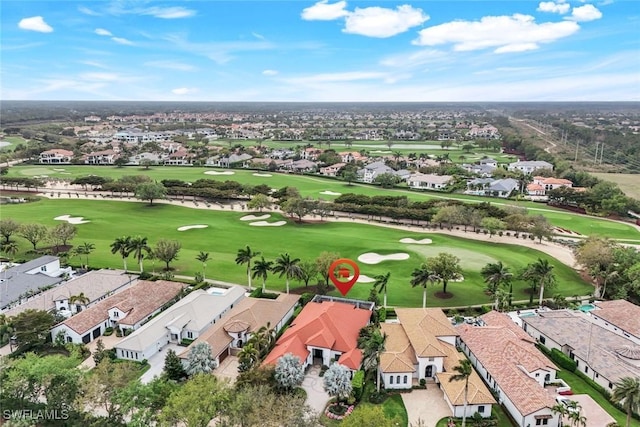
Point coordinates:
[[171, 65], [258, 36], [103, 32], [183, 91], [381, 22], [553, 7], [94, 64], [348, 76], [121, 40], [270, 72], [168, 12], [100, 77], [35, 23], [514, 33], [88, 11], [585, 13], [323, 11]]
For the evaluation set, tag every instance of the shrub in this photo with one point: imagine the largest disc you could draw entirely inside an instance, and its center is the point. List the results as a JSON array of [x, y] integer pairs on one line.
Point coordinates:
[[382, 314], [423, 382], [297, 311], [323, 369], [378, 396], [108, 331], [562, 360], [185, 342], [145, 275], [306, 297], [357, 383]]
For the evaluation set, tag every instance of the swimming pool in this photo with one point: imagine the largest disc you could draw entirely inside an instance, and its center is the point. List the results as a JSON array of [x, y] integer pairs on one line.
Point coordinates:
[[530, 314], [587, 307]]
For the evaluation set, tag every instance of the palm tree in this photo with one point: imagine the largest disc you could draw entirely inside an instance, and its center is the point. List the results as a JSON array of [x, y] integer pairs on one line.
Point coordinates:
[[245, 256], [495, 275], [248, 357], [203, 257], [261, 269], [122, 246], [85, 249], [627, 392], [561, 410], [138, 246], [421, 277], [381, 285], [10, 248], [287, 267], [372, 347], [464, 370], [80, 299], [543, 271]]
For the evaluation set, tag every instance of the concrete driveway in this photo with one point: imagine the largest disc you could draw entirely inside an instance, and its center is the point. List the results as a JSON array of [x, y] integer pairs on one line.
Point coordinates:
[[317, 398], [157, 362], [596, 416], [228, 369], [426, 405], [108, 341]]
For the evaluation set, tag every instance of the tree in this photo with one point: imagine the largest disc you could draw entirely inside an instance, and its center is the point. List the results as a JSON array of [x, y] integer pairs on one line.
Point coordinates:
[[386, 180], [32, 328], [8, 227], [259, 201], [85, 249], [337, 382], [196, 403], [540, 227], [139, 246], [11, 248], [446, 266], [349, 176], [62, 233], [369, 415], [120, 162], [543, 271], [167, 251], [372, 346], [99, 352], [492, 225], [203, 257], [80, 299], [324, 261], [464, 370], [261, 269], [248, 357], [421, 277], [34, 233], [289, 371], [245, 256], [200, 360], [173, 368], [381, 281], [141, 404], [299, 207], [150, 191], [495, 275], [147, 163], [597, 255], [122, 246], [626, 392], [287, 267], [101, 388], [308, 270]]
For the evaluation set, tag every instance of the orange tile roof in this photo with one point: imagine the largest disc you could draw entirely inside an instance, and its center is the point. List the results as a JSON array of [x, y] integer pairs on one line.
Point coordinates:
[[332, 325], [621, 313]]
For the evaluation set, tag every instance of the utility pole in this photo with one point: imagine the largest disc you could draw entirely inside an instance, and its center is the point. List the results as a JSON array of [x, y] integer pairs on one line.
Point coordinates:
[[577, 147], [601, 152], [595, 160]]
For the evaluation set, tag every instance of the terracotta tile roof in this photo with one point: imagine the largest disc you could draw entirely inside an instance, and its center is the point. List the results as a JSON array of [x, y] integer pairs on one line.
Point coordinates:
[[328, 324], [138, 301], [253, 313], [505, 353], [621, 313], [423, 326], [399, 355]]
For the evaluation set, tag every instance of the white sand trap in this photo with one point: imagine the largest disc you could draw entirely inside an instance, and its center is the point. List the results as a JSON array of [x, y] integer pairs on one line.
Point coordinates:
[[65, 173], [374, 258], [416, 242], [219, 173], [268, 224], [189, 227], [254, 217], [59, 170], [363, 278], [71, 219], [264, 175], [330, 193]]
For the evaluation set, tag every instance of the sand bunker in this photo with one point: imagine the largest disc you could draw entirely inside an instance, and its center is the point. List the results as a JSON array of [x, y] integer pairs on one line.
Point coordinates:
[[265, 175], [363, 278], [416, 242], [374, 258], [460, 278], [189, 227], [254, 217], [268, 224], [59, 170], [330, 193], [219, 173], [71, 219]]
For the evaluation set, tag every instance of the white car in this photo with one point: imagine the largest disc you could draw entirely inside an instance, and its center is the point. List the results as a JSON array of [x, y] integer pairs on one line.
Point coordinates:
[[571, 405]]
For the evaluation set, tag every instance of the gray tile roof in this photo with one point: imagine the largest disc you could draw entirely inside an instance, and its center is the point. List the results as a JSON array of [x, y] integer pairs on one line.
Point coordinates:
[[16, 281]]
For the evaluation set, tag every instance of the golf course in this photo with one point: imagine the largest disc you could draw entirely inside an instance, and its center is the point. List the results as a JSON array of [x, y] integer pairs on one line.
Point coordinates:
[[222, 233]]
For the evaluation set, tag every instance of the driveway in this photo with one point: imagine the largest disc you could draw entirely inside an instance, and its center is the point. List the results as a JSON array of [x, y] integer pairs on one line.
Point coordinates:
[[596, 416], [426, 405], [317, 398], [228, 369], [157, 362], [108, 341]]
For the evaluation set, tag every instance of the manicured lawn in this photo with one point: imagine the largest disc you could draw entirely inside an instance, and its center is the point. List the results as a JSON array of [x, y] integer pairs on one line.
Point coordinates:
[[579, 386], [14, 140], [393, 407], [226, 234], [498, 412], [314, 186]]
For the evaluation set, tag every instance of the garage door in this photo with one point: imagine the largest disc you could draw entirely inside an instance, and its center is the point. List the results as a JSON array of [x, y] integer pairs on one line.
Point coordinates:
[[96, 332], [86, 339]]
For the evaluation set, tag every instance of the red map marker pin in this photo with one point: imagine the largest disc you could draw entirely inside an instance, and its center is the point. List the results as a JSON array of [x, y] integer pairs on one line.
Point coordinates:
[[344, 286]]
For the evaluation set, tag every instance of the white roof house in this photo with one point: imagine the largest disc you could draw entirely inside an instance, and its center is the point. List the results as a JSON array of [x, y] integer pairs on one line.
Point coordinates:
[[186, 319], [528, 167], [429, 181]]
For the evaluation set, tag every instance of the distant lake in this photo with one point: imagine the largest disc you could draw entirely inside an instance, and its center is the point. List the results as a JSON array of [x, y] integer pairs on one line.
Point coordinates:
[[4, 144]]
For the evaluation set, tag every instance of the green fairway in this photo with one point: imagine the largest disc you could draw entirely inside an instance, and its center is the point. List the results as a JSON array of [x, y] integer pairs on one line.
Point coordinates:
[[315, 186], [226, 233], [13, 141]]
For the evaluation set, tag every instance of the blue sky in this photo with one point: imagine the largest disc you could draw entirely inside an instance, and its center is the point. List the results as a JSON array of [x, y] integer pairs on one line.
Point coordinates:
[[377, 50]]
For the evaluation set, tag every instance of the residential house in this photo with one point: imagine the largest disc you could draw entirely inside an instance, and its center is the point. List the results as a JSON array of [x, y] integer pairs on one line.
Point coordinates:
[[186, 319], [21, 282], [483, 132], [105, 157], [492, 187], [619, 316], [56, 156], [95, 286], [480, 170], [332, 170], [127, 310], [430, 181], [326, 330], [301, 166], [529, 167], [507, 360], [601, 354], [493, 163], [351, 157], [371, 171], [181, 157], [311, 153], [231, 332], [235, 160], [154, 158]]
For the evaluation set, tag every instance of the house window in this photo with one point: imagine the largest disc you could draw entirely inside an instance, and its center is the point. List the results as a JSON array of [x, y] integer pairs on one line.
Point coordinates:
[[405, 379], [610, 385], [190, 334], [397, 379], [391, 379], [542, 422], [431, 359], [537, 374], [586, 369], [542, 339], [597, 375], [481, 409], [116, 314], [43, 268]]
